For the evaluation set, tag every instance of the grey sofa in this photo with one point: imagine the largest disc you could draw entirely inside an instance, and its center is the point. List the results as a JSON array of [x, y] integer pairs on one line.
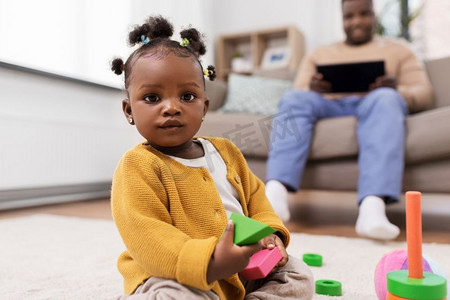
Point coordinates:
[[332, 163]]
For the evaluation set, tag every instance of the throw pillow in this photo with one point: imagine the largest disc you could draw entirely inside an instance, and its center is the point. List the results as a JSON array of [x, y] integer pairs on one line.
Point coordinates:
[[254, 94]]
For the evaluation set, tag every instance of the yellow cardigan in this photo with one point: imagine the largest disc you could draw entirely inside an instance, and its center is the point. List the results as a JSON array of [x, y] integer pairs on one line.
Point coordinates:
[[170, 216]]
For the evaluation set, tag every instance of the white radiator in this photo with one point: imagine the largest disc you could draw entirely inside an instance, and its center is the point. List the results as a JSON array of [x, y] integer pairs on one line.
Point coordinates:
[[60, 138]]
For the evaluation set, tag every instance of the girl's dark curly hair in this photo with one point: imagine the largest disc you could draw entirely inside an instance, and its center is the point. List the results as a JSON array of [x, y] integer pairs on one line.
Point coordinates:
[[154, 37]]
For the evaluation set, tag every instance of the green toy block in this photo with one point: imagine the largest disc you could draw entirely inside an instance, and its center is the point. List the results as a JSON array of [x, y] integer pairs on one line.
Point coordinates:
[[248, 231]]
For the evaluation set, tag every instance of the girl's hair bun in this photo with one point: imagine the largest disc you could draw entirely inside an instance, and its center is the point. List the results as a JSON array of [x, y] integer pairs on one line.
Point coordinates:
[[117, 66], [154, 27], [195, 38], [154, 36], [159, 28]]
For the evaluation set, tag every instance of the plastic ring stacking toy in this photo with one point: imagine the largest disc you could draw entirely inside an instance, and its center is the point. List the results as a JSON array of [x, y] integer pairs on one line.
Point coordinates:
[[312, 259], [430, 287], [328, 287], [414, 283]]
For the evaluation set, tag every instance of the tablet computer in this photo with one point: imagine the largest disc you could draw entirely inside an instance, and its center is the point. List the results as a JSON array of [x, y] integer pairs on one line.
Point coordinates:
[[351, 77]]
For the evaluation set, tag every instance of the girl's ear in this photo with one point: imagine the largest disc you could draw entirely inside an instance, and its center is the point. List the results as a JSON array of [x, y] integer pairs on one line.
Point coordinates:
[[206, 106], [126, 107]]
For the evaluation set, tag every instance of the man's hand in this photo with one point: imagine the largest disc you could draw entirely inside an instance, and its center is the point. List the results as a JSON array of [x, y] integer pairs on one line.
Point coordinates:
[[384, 81], [272, 241], [319, 85], [228, 258]]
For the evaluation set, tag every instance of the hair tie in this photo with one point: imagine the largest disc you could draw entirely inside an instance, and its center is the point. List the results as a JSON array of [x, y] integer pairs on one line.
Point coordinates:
[[144, 39], [184, 42], [210, 72]]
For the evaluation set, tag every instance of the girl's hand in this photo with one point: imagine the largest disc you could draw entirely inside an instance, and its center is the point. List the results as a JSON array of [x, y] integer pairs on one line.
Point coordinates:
[[228, 258], [272, 241]]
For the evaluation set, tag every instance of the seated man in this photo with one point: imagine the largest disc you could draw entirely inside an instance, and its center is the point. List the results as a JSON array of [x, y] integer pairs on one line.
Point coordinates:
[[381, 118]]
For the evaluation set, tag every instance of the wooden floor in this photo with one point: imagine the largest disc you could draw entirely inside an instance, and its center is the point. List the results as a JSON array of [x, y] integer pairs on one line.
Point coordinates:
[[312, 214]]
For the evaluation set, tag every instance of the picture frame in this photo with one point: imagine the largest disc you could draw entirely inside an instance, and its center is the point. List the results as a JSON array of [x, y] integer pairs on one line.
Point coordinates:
[[276, 58]]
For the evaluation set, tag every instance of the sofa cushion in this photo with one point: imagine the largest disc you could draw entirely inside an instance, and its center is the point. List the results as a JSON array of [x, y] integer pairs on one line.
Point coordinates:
[[251, 133], [438, 71], [334, 137], [216, 92], [428, 135], [284, 74], [254, 94]]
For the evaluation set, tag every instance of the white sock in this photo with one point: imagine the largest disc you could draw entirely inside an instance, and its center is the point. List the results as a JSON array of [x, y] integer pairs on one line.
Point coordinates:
[[372, 221], [277, 194]]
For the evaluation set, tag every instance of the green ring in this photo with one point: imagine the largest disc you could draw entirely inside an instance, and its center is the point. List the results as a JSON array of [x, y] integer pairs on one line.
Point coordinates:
[[328, 287], [312, 259], [430, 287]]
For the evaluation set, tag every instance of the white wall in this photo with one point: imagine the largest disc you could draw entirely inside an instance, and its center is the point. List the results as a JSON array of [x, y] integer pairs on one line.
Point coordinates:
[[78, 38], [432, 26], [319, 20], [57, 131]]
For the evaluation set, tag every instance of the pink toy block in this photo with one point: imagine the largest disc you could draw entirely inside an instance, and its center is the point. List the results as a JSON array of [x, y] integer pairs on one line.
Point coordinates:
[[261, 263]]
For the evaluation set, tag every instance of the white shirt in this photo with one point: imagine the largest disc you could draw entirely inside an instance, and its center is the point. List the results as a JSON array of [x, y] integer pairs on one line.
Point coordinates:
[[214, 163]]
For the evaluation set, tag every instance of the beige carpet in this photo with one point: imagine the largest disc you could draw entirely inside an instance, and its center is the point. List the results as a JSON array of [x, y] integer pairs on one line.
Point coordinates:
[[53, 257]]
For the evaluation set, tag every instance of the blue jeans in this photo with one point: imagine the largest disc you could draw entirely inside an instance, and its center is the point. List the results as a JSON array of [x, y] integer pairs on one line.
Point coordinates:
[[381, 138]]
